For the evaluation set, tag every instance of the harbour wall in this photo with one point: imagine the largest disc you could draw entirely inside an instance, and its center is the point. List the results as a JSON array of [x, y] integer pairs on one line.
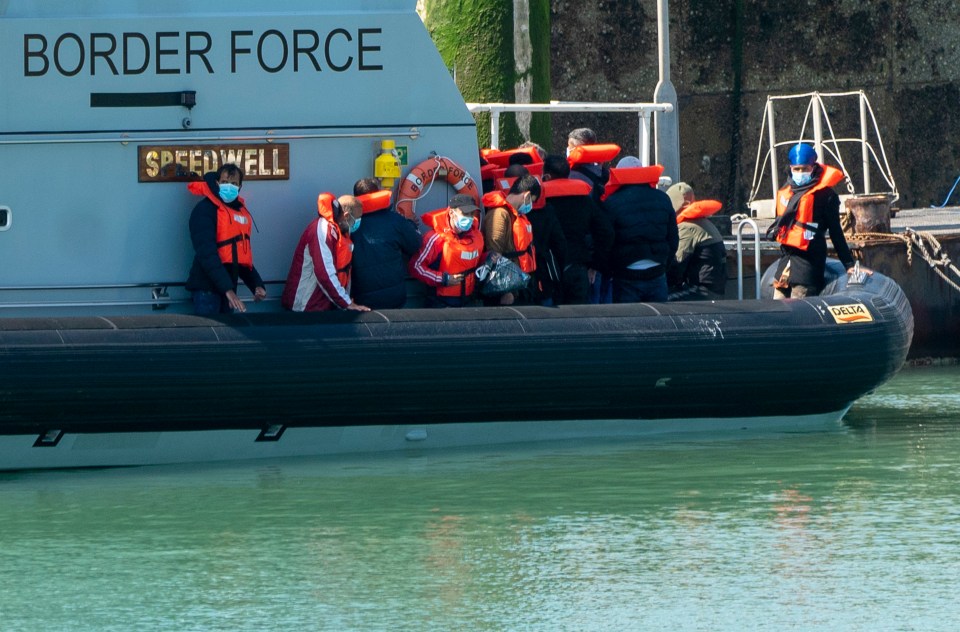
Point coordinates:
[[729, 55]]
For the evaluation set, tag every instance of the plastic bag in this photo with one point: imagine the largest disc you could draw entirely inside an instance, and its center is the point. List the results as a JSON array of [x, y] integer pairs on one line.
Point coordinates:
[[499, 275]]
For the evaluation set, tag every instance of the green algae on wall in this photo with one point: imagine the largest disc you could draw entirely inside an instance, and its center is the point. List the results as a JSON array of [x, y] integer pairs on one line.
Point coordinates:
[[476, 41]]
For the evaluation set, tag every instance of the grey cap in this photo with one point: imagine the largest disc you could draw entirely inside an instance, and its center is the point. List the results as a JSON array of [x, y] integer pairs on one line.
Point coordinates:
[[677, 192], [463, 202], [629, 161]]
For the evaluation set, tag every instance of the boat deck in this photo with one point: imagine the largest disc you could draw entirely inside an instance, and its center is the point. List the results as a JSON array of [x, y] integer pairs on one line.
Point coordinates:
[[937, 221]]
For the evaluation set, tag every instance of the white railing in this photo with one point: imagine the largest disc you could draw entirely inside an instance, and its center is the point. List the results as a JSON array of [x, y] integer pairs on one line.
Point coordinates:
[[827, 147], [643, 110]]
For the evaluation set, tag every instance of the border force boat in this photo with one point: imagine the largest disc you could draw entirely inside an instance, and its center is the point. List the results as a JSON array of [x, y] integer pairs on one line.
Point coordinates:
[[107, 114]]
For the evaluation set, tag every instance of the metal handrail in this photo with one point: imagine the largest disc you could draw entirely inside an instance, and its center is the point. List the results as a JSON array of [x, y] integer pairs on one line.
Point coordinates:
[[817, 114], [643, 110], [117, 286], [756, 254], [159, 298]]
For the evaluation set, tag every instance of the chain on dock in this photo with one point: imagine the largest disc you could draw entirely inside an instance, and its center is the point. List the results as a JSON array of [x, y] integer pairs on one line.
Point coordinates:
[[929, 248]]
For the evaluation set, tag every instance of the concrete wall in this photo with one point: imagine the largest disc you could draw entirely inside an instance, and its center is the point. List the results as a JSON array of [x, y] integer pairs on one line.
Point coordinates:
[[729, 55]]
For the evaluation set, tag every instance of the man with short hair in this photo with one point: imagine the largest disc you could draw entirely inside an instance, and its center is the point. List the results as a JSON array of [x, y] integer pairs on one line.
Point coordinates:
[[587, 229], [592, 173], [319, 277], [220, 229], [506, 229], [382, 246]]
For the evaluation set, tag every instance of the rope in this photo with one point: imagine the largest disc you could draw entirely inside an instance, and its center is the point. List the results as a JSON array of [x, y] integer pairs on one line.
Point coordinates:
[[929, 248]]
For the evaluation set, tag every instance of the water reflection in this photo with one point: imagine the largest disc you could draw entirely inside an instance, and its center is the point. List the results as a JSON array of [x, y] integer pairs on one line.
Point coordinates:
[[854, 528]]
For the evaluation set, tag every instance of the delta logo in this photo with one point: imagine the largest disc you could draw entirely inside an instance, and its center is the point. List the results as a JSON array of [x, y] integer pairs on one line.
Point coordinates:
[[856, 313]]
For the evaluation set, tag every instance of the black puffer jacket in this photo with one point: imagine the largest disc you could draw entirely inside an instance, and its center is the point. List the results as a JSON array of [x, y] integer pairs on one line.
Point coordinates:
[[644, 226], [381, 247]]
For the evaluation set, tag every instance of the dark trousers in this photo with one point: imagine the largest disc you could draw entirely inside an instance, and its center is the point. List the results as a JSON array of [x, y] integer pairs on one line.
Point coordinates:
[[206, 303], [640, 291]]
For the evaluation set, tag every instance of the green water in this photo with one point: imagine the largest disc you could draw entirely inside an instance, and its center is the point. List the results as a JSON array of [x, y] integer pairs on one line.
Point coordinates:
[[856, 528]]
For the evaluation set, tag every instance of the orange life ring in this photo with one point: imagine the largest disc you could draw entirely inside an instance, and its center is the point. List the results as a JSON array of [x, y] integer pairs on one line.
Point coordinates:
[[421, 178]]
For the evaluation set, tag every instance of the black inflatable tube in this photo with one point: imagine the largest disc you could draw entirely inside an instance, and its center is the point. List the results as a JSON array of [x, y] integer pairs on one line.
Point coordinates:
[[643, 361]]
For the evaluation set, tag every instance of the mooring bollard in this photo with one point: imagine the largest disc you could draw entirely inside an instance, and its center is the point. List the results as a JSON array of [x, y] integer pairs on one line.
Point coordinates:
[[870, 213]]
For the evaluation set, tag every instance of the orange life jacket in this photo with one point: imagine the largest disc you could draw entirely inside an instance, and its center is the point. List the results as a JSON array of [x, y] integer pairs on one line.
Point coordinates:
[[343, 255], [488, 171], [535, 169], [604, 152], [233, 227], [801, 230], [632, 175], [698, 209], [524, 251], [461, 252], [565, 187], [376, 201], [501, 158]]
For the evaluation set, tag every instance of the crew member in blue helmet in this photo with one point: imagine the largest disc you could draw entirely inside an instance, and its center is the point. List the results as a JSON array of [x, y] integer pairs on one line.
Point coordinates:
[[807, 209]]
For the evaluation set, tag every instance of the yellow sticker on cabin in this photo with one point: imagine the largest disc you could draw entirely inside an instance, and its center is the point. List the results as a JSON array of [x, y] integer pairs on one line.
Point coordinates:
[[855, 313]]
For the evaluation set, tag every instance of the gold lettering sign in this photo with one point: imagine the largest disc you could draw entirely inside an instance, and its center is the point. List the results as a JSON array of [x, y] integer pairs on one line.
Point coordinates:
[[855, 313], [182, 163]]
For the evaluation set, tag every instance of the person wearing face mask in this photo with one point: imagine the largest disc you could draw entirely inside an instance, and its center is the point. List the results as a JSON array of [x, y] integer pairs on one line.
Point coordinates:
[[506, 229], [450, 253], [807, 209], [220, 227], [319, 277]]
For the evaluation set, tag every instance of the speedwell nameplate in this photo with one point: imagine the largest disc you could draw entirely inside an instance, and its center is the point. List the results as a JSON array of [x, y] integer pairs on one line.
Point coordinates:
[[181, 163]]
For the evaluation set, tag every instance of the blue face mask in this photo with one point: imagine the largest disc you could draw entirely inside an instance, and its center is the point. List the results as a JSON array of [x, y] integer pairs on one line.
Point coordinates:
[[229, 192], [355, 226], [525, 208], [464, 223], [801, 178]]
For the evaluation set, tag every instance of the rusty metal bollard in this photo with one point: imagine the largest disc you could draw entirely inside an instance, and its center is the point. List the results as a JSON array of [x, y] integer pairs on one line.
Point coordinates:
[[869, 213]]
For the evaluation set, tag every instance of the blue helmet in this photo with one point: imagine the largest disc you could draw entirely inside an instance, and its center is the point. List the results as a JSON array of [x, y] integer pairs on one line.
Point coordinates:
[[802, 154]]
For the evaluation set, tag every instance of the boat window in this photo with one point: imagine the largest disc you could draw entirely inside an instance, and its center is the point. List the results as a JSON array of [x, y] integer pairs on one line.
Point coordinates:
[[5, 217]]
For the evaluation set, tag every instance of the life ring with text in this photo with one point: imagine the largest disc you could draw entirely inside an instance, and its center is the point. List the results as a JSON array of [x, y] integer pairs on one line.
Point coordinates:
[[420, 179]]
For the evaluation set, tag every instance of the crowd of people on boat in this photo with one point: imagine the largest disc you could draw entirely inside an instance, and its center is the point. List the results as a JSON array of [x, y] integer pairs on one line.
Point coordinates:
[[561, 229]]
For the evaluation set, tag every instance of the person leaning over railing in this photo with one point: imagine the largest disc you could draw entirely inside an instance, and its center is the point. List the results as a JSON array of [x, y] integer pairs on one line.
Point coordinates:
[[319, 277]]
